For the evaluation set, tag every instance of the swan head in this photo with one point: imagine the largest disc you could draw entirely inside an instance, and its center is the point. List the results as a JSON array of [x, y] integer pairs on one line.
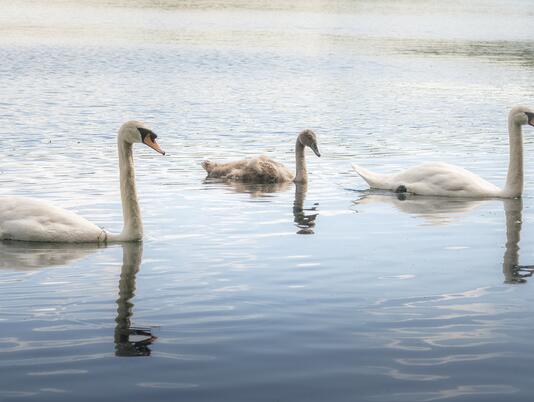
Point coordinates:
[[134, 132], [522, 115], [308, 139], [208, 165]]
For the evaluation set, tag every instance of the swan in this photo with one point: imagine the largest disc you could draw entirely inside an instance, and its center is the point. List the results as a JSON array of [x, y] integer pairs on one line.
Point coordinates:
[[30, 219], [264, 170], [443, 179]]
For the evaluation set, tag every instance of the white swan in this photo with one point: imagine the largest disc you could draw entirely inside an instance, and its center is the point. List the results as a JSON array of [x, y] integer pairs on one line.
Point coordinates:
[[442, 179], [30, 219], [263, 169]]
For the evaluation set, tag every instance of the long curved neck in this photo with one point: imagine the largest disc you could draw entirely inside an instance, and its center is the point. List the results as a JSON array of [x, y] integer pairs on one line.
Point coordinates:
[[133, 226], [301, 174], [514, 178]]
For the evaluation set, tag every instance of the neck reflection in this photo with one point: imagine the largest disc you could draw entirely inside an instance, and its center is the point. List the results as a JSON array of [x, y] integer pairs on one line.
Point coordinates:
[[513, 272], [443, 210], [305, 223], [129, 340]]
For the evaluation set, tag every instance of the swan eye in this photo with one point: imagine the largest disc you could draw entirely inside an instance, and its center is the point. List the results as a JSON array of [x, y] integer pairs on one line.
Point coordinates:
[[148, 137], [145, 132]]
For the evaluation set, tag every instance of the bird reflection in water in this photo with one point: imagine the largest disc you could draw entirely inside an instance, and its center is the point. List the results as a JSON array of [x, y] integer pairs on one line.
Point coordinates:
[[27, 256], [304, 222], [254, 189], [513, 272], [129, 340], [443, 210], [17, 255], [434, 210]]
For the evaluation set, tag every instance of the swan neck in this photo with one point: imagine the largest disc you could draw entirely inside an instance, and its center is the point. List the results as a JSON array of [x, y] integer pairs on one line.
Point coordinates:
[[301, 175], [514, 178], [133, 226]]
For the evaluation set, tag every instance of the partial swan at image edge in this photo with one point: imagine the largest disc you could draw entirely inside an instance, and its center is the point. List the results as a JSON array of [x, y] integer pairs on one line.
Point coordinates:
[[443, 179], [35, 220]]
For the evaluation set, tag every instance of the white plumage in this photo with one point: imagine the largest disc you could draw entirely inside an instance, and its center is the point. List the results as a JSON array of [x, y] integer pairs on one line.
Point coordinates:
[[443, 179], [30, 219], [439, 179]]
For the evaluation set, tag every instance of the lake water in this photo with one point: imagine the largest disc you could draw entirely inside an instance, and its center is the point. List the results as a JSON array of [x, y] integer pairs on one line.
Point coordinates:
[[248, 293]]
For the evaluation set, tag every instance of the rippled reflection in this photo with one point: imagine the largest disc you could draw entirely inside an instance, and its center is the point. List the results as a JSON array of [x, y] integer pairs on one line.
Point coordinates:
[[305, 222], [256, 189], [443, 210], [129, 340], [513, 272], [303, 219], [434, 332], [23, 256], [434, 210]]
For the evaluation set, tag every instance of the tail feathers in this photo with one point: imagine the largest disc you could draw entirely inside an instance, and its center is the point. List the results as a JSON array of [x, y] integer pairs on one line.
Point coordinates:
[[375, 180]]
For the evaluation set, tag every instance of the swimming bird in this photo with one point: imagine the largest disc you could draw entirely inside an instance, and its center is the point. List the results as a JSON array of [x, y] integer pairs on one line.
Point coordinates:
[[264, 170], [31, 219], [443, 179]]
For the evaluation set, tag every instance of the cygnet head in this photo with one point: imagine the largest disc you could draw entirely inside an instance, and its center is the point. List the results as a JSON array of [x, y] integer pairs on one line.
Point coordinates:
[[521, 115], [308, 139], [136, 132]]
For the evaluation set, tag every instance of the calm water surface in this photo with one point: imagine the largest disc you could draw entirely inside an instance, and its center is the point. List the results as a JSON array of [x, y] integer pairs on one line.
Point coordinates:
[[251, 293]]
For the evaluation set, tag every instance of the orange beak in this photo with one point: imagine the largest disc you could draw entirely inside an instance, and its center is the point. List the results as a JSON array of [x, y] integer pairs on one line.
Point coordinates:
[[153, 144]]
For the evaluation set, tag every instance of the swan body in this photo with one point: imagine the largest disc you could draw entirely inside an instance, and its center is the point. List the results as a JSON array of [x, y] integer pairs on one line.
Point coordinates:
[[438, 179], [31, 219], [260, 169], [263, 169], [443, 179]]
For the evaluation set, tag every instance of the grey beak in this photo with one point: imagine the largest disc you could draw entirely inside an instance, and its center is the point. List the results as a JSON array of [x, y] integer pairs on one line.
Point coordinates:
[[316, 151]]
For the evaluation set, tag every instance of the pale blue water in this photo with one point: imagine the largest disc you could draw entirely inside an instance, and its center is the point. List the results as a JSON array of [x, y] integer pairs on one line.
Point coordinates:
[[247, 293]]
